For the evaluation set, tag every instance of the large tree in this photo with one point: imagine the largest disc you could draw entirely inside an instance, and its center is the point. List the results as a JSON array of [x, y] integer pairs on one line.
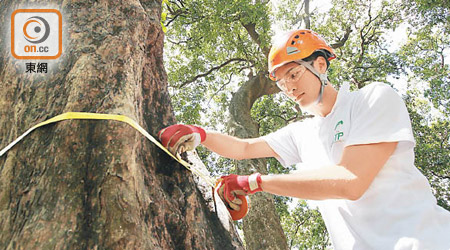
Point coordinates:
[[98, 184], [218, 35], [217, 72]]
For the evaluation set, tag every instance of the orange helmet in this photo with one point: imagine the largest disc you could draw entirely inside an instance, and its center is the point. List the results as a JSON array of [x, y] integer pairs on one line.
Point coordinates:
[[294, 46]]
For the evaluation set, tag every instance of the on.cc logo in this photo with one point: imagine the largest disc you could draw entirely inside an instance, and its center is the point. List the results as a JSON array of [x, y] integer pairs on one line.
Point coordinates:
[[40, 35], [36, 34]]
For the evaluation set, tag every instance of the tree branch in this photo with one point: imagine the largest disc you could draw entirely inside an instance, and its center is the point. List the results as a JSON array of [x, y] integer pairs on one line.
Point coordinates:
[[251, 29], [175, 16], [344, 39], [441, 53], [180, 42], [306, 17], [440, 176], [297, 228], [221, 88], [175, 3], [363, 34], [211, 70]]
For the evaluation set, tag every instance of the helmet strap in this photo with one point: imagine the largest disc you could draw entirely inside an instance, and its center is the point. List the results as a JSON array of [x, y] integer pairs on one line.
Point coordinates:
[[322, 77]]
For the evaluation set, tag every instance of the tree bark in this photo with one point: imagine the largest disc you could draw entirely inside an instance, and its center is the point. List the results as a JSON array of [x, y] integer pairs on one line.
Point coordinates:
[[307, 16], [262, 227], [98, 184]]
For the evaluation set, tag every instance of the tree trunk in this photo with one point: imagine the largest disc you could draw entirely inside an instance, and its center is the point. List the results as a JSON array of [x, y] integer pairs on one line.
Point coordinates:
[[81, 184], [262, 227]]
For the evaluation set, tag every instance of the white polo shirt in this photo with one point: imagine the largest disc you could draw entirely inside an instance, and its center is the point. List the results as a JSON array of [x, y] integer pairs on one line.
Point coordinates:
[[398, 211]]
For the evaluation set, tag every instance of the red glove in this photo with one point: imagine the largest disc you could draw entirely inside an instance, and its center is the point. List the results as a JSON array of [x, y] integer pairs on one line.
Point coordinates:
[[180, 138], [233, 185]]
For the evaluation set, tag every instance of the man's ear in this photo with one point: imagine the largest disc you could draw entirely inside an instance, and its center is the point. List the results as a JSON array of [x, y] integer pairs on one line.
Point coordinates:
[[320, 64]]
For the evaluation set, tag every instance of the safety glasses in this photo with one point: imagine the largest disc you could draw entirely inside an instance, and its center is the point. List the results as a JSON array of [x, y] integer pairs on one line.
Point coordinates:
[[293, 75]]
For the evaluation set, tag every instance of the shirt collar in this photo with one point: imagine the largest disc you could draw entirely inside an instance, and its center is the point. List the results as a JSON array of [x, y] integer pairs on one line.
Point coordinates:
[[342, 96]]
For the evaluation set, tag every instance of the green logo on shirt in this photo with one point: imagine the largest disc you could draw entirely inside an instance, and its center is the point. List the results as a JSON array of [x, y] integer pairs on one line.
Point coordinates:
[[338, 133]]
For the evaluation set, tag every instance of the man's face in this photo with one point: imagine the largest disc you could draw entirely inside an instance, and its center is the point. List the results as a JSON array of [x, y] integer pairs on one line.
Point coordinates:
[[298, 83]]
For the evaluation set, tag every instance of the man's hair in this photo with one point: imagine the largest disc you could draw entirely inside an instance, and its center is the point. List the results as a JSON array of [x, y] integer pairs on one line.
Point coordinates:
[[323, 53]]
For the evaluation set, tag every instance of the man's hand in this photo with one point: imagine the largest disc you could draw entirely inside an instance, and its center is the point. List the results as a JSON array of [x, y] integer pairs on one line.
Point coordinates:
[[232, 186], [179, 138]]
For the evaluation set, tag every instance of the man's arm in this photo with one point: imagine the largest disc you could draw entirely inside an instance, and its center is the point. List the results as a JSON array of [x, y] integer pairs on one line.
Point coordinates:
[[236, 148], [348, 180]]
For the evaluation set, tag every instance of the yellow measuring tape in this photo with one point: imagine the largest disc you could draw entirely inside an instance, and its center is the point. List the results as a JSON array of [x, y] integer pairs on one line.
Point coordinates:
[[96, 116]]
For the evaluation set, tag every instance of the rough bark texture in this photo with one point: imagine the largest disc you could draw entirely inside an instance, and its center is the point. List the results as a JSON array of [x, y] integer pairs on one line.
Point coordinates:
[[262, 228], [98, 184]]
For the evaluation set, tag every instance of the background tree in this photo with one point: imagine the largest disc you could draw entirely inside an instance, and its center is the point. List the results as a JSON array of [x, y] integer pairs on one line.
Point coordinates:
[[216, 57], [98, 184], [426, 56], [224, 42]]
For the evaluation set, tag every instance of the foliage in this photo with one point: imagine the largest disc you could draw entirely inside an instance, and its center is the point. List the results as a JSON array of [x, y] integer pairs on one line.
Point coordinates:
[[365, 57], [430, 12], [305, 229], [433, 147], [209, 36], [426, 54]]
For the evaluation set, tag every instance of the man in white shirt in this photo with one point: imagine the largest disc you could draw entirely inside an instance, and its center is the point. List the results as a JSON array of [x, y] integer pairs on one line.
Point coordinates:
[[359, 149]]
